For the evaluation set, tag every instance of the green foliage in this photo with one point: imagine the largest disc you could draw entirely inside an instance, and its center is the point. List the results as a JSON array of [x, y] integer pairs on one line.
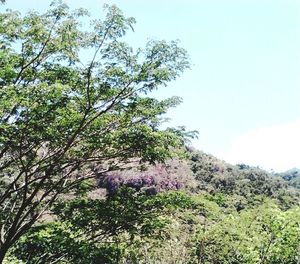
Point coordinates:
[[65, 117], [102, 230], [261, 235], [128, 210], [169, 227], [58, 242], [291, 177], [244, 183]]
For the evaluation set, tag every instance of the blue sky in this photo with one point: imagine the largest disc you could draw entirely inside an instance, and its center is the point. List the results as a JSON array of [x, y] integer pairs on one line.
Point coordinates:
[[242, 93]]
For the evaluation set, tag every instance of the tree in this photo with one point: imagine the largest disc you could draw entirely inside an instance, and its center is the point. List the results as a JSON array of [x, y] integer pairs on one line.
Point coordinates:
[[101, 230], [264, 234], [64, 117]]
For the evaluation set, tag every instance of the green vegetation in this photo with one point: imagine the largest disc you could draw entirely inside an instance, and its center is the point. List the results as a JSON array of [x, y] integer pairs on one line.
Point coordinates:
[[86, 174], [291, 177]]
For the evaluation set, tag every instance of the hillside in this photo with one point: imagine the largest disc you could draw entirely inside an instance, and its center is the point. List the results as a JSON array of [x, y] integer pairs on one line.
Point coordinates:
[[193, 210], [200, 172], [243, 181], [291, 177]]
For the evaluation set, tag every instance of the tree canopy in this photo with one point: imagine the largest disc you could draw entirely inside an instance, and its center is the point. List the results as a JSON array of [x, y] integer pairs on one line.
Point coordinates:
[[74, 102]]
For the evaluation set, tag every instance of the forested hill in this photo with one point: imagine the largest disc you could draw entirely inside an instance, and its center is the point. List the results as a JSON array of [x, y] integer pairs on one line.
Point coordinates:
[[243, 181], [291, 177], [197, 209], [202, 173]]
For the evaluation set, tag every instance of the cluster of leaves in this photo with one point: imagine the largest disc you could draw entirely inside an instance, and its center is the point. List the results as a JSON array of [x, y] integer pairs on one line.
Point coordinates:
[[101, 230], [131, 226], [264, 234]]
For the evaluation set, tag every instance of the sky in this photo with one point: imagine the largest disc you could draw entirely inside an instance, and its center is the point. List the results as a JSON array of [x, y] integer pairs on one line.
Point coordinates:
[[242, 92]]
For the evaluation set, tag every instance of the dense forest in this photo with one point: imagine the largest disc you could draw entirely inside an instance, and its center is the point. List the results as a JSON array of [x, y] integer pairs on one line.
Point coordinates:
[[197, 209], [88, 175]]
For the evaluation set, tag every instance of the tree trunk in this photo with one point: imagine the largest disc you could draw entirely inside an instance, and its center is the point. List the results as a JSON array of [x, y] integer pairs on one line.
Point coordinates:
[[3, 251]]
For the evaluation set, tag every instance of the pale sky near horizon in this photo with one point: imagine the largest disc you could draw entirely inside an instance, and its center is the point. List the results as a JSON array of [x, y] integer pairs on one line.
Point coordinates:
[[242, 92]]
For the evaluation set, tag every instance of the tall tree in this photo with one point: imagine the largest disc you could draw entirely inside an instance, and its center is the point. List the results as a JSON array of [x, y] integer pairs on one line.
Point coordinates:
[[74, 101]]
